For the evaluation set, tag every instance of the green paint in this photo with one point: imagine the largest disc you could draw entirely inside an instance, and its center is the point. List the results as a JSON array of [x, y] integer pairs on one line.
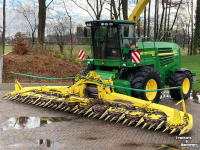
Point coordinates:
[[164, 56], [122, 83], [106, 75]]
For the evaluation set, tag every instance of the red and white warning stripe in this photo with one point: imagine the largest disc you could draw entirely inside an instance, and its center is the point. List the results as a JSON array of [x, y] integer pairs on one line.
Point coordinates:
[[136, 57], [81, 54]]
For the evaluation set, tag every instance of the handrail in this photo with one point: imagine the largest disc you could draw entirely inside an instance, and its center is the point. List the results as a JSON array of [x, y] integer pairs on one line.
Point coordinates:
[[84, 77]]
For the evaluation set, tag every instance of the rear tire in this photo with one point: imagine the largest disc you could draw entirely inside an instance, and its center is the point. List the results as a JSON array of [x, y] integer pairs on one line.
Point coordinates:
[[86, 70], [145, 78], [183, 79]]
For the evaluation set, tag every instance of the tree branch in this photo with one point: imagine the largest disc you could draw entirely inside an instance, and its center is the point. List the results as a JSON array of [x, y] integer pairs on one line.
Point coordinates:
[[176, 15], [83, 9], [49, 3], [92, 8]]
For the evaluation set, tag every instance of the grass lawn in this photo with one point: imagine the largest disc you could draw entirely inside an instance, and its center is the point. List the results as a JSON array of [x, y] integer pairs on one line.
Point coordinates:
[[75, 51], [190, 62], [8, 48], [193, 64]]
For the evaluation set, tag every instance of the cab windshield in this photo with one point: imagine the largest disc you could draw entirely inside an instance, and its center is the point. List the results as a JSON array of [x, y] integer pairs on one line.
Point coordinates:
[[106, 42]]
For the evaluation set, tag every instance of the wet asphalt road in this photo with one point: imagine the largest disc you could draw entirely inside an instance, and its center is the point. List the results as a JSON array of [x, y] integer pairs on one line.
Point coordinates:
[[42, 128]]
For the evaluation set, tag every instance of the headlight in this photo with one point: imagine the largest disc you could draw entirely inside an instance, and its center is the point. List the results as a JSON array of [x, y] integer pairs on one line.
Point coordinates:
[[106, 24], [102, 24], [110, 24], [88, 24]]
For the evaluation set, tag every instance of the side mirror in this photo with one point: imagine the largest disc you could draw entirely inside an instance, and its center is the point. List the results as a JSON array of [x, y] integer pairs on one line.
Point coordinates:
[[85, 31], [126, 31]]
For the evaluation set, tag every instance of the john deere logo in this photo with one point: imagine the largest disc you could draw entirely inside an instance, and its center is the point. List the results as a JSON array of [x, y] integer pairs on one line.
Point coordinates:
[[102, 62]]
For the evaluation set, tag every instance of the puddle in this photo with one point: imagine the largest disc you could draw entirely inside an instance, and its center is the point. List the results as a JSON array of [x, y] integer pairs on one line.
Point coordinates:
[[194, 95], [157, 146], [30, 122]]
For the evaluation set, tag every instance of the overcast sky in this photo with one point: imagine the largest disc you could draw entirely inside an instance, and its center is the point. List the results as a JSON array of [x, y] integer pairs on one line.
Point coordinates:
[[16, 22]]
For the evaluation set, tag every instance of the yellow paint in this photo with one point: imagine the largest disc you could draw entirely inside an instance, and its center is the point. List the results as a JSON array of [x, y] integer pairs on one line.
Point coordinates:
[[151, 85], [118, 103], [186, 85], [148, 53], [138, 10], [162, 54]]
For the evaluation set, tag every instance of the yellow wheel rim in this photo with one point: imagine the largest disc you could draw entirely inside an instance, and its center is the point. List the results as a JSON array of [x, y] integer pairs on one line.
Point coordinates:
[[151, 85], [186, 85]]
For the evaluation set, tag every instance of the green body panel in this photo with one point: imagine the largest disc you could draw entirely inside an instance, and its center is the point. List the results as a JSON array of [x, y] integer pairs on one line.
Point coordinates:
[[122, 83], [106, 75], [163, 56]]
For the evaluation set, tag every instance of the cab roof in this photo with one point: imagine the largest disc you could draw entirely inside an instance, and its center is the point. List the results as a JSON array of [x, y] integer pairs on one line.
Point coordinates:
[[112, 21]]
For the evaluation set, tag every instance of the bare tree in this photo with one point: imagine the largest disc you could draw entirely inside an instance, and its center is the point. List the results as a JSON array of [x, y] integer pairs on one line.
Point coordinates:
[[125, 9], [192, 26], [179, 4], [115, 9], [63, 27], [96, 8], [4, 25], [162, 17], [29, 14], [169, 15], [190, 22], [42, 19], [138, 26], [145, 21], [149, 14], [60, 34], [70, 28], [115, 13]]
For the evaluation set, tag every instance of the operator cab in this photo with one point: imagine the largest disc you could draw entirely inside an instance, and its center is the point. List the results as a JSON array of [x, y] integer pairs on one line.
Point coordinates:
[[110, 37]]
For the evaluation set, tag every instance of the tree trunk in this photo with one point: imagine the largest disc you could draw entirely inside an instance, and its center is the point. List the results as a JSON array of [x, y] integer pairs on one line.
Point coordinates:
[[114, 9], [157, 20], [145, 23], [184, 39], [138, 25], [192, 24], [196, 39], [148, 32], [71, 49], [61, 47], [4, 25], [189, 38], [33, 38], [42, 21], [165, 20], [125, 9], [119, 14], [176, 15], [169, 17], [162, 17]]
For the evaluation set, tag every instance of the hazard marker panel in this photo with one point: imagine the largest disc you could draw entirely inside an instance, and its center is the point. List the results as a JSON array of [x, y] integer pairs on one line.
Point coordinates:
[[136, 57], [81, 54]]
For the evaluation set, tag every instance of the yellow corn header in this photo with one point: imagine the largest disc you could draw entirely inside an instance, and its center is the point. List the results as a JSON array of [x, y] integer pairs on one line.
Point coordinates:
[[95, 97]]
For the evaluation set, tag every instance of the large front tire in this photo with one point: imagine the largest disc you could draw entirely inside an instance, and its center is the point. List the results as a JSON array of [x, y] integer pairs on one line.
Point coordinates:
[[146, 78], [183, 79]]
